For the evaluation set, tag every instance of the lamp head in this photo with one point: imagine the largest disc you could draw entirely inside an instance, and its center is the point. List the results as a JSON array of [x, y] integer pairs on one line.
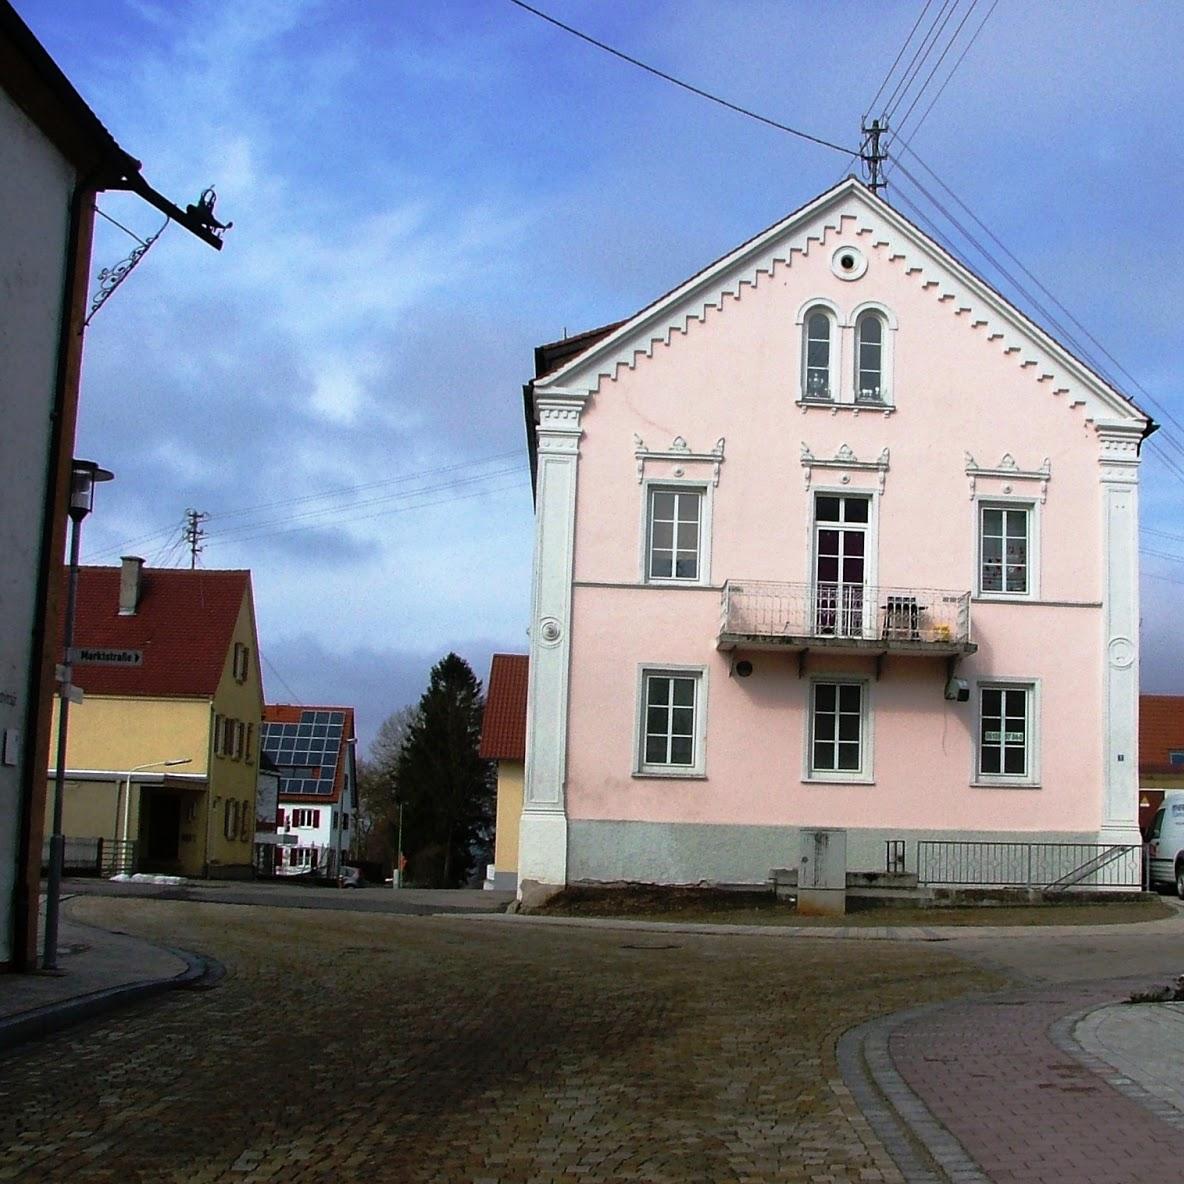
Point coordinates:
[[84, 476]]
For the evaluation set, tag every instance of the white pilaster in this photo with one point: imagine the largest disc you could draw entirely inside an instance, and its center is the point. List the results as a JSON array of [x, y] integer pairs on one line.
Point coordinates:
[[1119, 464], [542, 850]]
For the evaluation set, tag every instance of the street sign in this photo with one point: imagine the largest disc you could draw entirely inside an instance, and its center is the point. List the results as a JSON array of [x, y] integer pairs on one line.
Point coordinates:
[[90, 656]]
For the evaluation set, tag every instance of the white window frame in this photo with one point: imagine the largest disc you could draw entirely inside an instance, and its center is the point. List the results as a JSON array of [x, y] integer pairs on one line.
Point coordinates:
[[865, 775], [835, 327], [684, 485], [888, 324], [1032, 507], [698, 767], [871, 564], [1030, 778]]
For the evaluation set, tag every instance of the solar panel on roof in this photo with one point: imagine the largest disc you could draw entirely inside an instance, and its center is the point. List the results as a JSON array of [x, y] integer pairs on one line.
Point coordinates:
[[306, 753]]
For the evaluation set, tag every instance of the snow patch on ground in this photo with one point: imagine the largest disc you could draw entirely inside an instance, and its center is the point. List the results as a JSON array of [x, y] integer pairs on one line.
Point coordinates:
[[145, 878]]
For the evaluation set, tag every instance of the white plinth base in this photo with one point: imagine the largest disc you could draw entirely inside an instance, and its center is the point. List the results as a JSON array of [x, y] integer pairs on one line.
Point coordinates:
[[542, 848]]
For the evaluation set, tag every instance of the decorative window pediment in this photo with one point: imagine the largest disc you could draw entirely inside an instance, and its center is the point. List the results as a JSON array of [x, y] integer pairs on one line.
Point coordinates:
[[1009, 472], [681, 454], [846, 462]]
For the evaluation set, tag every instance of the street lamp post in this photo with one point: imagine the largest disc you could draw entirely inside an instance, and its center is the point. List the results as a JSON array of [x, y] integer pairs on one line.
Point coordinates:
[[399, 852], [84, 476], [127, 796]]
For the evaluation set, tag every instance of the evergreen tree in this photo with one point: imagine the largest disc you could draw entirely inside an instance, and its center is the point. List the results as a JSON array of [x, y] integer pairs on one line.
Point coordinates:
[[446, 789]]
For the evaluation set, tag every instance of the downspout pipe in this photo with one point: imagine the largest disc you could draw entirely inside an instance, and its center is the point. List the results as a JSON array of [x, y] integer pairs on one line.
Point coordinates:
[[59, 460]]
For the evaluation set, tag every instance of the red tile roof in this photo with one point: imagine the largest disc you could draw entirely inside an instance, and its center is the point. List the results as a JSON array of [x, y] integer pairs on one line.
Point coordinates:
[[1161, 728], [183, 626], [503, 728]]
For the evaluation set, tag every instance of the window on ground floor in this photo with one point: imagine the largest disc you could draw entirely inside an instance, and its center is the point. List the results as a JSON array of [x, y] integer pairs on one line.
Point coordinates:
[[838, 745], [1006, 733], [671, 734]]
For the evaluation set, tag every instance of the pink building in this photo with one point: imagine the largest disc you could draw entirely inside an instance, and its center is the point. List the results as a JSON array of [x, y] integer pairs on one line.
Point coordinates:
[[831, 535]]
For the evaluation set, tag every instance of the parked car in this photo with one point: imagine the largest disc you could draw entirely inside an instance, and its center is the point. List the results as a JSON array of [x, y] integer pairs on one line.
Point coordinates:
[[1166, 844]]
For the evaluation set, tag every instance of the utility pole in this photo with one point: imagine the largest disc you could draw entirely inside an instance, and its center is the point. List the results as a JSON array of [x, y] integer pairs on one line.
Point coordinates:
[[871, 155], [194, 534]]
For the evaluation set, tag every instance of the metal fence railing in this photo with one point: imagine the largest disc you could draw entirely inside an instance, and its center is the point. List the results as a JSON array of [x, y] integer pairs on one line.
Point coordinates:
[[1049, 866], [94, 856], [915, 617]]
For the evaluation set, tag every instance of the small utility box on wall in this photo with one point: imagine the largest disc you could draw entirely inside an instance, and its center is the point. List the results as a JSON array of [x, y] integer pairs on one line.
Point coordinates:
[[822, 872]]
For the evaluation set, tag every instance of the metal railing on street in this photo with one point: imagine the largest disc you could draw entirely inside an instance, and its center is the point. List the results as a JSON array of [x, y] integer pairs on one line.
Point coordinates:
[[1047, 866]]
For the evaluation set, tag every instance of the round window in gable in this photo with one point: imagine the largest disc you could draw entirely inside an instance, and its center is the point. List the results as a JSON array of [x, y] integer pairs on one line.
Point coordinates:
[[848, 263]]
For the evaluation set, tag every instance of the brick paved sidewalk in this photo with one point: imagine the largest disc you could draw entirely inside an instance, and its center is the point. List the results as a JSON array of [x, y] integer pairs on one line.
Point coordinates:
[[1023, 1102]]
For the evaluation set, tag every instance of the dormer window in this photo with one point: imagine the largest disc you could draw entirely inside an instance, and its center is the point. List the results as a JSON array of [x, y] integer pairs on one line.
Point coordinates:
[[870, 384], [818, 356]]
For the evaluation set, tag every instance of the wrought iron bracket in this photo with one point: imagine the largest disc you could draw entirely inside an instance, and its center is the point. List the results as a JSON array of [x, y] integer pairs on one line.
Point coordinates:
[[111, 277]]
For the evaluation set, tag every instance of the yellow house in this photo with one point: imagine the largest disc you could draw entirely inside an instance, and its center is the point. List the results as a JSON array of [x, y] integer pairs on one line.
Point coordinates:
[[161, 755], [503, 739]]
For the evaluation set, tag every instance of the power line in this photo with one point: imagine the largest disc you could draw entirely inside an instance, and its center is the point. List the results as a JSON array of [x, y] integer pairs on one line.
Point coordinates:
[[330, 514], [280, 678], [937, 65], [1065, 333], [919, 58], [518, 483], [954, 70], [896, 61], [325, 494], [695, 90]]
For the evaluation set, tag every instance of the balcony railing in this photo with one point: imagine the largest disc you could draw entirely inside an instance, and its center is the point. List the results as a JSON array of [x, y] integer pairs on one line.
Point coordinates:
[[762, 614]]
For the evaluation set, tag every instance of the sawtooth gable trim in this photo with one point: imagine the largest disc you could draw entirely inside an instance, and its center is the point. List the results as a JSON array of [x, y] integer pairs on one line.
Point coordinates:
[[1051, 366]]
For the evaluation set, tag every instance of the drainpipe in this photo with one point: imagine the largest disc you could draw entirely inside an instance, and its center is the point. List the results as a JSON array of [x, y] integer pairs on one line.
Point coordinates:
[[39, 692]]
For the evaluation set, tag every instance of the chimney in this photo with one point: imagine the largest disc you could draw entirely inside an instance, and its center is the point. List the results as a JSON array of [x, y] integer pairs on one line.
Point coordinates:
[[130, 576]]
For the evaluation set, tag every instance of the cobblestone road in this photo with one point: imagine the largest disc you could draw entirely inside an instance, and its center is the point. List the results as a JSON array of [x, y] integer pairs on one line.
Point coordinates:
[[346, 1047]]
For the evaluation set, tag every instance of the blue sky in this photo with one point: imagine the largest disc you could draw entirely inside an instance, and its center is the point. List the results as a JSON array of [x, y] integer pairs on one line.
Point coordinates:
[[424, 192]]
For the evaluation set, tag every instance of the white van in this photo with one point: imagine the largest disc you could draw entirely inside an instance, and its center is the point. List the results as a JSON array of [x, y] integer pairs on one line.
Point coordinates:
[[1166, 843]]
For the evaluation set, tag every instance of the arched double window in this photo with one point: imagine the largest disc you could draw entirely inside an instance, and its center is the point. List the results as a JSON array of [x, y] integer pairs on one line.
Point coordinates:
[[818, 355], [870, 381]]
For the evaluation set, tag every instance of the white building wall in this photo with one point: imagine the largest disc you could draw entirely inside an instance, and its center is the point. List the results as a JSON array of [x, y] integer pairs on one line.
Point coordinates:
[[36, 185]]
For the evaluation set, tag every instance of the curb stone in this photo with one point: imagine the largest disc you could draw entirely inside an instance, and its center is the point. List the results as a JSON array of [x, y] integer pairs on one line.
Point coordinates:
[[922, 1148]]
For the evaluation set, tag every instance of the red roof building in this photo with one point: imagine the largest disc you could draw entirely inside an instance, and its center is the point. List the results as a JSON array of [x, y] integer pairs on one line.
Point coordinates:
[[162, 751], [503, 728], [1161, 751], [503, 739]]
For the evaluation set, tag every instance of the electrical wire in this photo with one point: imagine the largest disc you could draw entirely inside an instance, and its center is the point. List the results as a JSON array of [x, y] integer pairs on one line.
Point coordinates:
[[896, 61], [920, 57], [519, 483], [336, 513], [941, 90], [280, 678], [325, 494], [900, 124], [1155, 403], [695, 90]]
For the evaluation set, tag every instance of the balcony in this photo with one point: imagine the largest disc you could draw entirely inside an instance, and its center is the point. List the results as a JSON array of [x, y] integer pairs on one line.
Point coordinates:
[[845, 618]]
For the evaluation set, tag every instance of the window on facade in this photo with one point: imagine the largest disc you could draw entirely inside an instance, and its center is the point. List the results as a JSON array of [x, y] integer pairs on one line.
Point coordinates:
[[674, 534], [841, 525], [1176, 756], [1003, 549], [246, 827], [249, 752], [1005, 732], [836, 729], [870, 386], [241, 661], [817, 353], [671, 725], [230, 818]]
